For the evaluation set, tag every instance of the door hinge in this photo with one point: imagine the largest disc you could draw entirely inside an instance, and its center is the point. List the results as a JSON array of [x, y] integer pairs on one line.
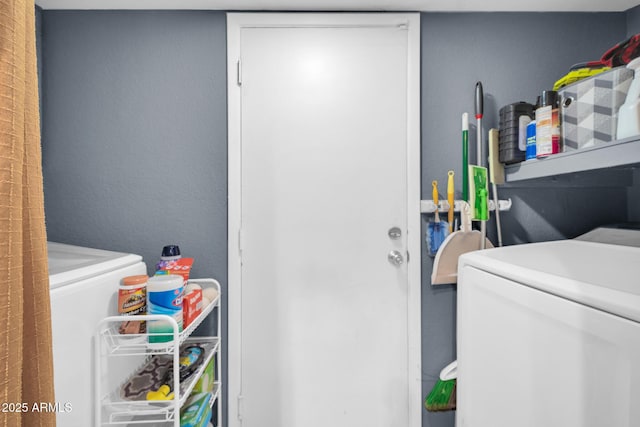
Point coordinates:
[[240, 242], [240, 406], [239, 74]]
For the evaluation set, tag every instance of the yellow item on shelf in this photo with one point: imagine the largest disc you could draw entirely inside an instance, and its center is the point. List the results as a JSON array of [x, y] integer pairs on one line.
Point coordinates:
[[163, 393], [579, 74]]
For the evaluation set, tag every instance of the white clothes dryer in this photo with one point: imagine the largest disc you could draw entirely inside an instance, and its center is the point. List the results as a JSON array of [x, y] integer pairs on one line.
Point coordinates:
[[83, 286], [548, 334]]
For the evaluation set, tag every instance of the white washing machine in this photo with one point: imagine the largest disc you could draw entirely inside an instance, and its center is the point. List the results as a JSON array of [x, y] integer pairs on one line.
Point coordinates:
[[548, 334], [84, 289]]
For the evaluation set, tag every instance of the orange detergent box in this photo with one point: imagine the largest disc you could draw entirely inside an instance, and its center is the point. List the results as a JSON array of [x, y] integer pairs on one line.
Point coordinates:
[[191, 306]]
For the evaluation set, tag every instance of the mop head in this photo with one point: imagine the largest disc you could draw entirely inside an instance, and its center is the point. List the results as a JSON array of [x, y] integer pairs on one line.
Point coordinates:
[[442, 396], [478, 193]]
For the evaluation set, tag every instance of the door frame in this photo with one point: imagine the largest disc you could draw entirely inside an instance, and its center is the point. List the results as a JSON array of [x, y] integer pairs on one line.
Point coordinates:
[[235, 23]]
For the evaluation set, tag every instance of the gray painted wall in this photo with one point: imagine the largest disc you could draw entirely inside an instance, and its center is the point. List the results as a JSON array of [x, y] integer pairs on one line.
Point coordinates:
[[633, 21], [134, 132]]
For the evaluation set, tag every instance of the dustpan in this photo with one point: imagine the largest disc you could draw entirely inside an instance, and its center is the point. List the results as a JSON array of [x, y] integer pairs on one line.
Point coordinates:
[[445, 265]]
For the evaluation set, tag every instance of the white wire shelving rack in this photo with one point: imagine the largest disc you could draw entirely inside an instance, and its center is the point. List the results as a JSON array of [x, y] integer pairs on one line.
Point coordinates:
[[119, 357]]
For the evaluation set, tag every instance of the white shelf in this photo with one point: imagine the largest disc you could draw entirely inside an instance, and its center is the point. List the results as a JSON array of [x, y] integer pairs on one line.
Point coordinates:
[[128, 344], [617, 154], [119, 410], [120, 357]]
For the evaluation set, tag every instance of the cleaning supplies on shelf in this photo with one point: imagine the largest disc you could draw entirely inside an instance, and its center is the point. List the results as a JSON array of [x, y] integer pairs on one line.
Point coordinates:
[[548, 125], [190, 359], [437, 230], [206, 381], [170, 253], [171, 262], [191, 303], [514, 119], [197, 411], [154, 373], [132, 300], [164, 296], [531, 141]]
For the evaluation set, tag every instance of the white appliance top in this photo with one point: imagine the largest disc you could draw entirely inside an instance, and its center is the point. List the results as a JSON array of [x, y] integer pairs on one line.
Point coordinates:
[[68, 263], [600, 275], [627, 234]]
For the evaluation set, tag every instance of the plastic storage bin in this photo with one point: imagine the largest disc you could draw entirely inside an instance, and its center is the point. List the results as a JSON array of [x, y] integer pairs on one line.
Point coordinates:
[[589, 108]]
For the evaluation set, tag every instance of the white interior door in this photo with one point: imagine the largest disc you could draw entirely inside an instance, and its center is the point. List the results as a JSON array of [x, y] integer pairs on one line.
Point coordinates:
[[323, 324]]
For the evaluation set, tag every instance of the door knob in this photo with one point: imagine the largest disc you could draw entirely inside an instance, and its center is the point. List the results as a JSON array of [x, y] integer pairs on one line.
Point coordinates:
[[395, 258], [395, 233]]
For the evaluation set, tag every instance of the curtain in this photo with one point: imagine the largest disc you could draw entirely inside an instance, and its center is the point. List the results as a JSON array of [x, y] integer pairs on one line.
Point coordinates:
[[26, 366]]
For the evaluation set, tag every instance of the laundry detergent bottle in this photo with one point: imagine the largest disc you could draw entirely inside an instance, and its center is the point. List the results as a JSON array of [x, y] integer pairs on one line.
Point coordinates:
[[629, 113]]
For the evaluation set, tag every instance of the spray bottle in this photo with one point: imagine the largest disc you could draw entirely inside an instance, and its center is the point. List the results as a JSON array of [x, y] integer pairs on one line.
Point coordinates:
[[629, 114]]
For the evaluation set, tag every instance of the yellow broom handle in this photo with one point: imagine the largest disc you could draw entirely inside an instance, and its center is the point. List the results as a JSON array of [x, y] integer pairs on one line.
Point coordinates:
[[435, 193]]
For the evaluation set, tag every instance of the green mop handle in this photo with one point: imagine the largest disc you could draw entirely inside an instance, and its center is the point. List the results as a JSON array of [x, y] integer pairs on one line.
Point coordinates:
[[465, 157]]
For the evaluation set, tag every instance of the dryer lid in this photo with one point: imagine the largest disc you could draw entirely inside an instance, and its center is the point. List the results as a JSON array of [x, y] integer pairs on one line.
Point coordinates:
[[69, 264], [625, 234], [599, 275]]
